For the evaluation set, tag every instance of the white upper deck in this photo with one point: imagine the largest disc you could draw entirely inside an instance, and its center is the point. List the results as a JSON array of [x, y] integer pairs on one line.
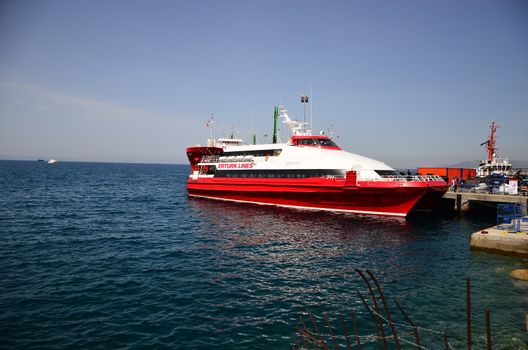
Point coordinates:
[[318, 152], [287, 156]]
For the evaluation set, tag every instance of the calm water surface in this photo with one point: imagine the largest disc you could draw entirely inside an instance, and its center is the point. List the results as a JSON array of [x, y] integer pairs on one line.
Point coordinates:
[[117, 256]]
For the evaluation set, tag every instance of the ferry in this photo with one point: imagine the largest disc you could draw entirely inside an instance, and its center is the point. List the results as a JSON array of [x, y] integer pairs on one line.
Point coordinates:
[[307, 172]]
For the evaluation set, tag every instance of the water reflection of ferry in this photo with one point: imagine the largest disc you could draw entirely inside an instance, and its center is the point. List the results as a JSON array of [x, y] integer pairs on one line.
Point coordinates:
[[308, 172], [237, 227]]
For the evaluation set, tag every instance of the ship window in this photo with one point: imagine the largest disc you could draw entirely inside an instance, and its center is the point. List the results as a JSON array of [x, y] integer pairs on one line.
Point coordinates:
[[328, 143], [256, 153], [387, 172], [317, 142], [285, 174], [306, 142]]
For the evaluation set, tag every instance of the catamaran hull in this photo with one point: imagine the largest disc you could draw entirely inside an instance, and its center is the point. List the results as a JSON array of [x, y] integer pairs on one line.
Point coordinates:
[[372, 198]]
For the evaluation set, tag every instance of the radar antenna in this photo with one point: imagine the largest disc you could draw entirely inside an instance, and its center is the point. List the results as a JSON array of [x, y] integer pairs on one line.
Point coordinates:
[[295, 126]]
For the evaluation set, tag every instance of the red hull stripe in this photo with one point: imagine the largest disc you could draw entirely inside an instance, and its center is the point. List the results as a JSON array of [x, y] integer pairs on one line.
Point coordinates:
[[303, 207], [337, 183], [375, 198], [372, 201]]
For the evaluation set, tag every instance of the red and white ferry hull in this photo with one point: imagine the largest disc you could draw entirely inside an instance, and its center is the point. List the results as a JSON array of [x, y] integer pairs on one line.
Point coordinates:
[[390, 198]]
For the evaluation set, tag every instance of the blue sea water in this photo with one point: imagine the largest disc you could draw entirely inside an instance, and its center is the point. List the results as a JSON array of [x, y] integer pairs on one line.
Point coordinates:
[[98, 255]]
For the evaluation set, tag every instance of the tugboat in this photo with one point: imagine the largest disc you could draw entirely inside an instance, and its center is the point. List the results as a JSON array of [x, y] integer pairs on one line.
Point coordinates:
[[493, 165], [307, 172]]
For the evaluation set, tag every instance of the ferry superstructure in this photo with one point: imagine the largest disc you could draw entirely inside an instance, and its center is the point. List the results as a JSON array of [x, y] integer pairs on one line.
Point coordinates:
[[308, 172]]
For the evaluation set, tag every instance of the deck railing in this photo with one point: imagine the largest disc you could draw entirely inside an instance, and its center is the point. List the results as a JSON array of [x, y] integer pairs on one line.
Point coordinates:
[[226, 159], [404, 178]]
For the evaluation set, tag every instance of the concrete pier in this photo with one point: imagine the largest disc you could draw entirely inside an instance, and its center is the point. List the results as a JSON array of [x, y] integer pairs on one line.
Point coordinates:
[[462, 200], [500, 241]]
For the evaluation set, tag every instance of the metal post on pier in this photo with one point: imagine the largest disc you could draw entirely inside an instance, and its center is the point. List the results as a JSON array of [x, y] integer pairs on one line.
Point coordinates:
[[488, 329], [468, 313]]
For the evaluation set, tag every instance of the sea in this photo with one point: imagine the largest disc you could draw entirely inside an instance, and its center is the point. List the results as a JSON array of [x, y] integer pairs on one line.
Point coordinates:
[[117, 256]]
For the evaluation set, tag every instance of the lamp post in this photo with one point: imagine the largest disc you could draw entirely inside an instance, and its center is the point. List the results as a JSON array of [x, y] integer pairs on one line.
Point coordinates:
[[304, 101]]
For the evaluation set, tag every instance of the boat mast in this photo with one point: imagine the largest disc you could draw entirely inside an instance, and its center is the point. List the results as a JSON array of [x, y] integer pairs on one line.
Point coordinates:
[[311, 109], [210, 124], [253, 134], [304, 101], [491, 142], [275, 117]]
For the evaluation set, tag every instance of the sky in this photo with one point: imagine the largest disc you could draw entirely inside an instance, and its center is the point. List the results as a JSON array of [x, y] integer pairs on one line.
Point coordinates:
[[411, 83]]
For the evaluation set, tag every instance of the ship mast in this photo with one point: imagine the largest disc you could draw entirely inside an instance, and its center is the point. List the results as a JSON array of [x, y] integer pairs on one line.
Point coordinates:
[[275, 117], [491, 143]]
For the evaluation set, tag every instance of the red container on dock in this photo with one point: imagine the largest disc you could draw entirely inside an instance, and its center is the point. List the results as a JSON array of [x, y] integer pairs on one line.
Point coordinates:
[[449, 173]]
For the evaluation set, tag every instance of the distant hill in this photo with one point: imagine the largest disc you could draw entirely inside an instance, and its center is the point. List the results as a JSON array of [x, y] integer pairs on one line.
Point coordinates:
[[474, 163]]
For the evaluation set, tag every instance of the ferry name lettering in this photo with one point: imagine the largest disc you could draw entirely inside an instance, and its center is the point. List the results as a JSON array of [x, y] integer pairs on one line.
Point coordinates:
[[235, 165]]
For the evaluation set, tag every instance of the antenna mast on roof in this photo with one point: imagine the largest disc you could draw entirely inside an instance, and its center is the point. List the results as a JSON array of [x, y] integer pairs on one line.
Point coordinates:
[[210, 124], [311, 109], [490, 143], [304, 101]]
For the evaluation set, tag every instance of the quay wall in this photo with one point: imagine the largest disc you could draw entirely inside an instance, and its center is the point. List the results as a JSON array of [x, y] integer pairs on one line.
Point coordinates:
[[467, 201], [500, 241]]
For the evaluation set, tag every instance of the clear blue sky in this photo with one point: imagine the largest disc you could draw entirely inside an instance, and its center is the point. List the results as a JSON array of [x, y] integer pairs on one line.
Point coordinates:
[[406, 82]]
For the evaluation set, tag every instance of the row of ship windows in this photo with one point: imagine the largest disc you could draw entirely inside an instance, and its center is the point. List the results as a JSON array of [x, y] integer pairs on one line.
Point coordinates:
[[317, 142], [285, 174], [256, 153]]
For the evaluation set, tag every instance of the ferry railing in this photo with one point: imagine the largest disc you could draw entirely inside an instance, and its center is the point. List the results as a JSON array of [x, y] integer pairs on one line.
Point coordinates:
[[404, 178], [226, 159]]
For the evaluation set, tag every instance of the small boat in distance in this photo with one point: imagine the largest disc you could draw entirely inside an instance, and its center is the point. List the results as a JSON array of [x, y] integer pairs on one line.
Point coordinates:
[[53, 161], [307, 172]]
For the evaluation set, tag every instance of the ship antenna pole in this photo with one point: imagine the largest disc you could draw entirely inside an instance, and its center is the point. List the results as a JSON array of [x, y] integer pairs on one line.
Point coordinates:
[[304, 119], [211, 123], [304, 101], [275, 117], [491, 145], [311, 110]]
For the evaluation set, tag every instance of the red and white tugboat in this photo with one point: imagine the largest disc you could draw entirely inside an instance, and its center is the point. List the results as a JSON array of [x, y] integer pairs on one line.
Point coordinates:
[[494, 164], [308, 172]]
